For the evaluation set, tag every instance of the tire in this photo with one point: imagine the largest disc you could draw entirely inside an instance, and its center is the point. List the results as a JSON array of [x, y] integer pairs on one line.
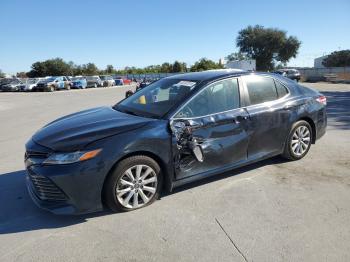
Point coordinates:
[[294, 141], [51, 89], [128, 192]]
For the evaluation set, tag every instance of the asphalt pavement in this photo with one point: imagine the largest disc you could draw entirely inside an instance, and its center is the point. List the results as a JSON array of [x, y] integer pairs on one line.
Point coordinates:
[[274, 210]]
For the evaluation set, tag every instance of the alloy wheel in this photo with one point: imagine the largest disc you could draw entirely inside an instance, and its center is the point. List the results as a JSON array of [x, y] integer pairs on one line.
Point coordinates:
[[137, 186], [301, 140]]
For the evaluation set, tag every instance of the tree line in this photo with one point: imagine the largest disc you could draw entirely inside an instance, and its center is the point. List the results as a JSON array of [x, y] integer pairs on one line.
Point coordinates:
[[57, 66], [271, 48]]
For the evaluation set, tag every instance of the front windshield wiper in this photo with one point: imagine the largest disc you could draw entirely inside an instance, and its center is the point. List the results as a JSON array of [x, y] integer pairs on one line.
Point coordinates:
[[130, 112], [126, 111]]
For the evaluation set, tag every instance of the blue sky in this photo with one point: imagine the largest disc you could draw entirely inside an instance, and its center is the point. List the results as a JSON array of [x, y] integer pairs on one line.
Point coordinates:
[[140, 33]]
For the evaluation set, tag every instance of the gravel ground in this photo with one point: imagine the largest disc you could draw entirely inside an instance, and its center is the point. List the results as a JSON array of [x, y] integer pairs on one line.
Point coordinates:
[[270, 211]]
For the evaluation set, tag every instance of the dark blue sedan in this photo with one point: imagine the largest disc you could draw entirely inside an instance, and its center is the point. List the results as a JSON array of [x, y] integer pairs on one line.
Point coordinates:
[[79, 82], [173, 131]]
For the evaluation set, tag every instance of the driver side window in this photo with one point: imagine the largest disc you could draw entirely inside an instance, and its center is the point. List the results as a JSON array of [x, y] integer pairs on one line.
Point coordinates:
[[217, 97]]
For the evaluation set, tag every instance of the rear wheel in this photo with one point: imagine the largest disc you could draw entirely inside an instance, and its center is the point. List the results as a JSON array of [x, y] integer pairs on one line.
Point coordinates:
[[299, 141], [135, 183]]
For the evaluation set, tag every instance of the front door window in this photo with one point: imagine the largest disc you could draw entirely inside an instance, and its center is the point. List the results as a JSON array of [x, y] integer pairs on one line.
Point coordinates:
[[218, 97]]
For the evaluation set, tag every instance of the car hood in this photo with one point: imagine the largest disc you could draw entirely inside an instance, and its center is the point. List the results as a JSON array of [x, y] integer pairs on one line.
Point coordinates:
[[75, 131]]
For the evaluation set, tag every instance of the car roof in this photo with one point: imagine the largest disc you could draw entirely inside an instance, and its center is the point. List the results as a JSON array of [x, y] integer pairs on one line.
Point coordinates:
[[209, 74]]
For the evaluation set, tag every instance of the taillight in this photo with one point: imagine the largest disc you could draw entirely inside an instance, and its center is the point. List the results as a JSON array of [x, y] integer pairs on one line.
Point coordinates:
[[322, 100]]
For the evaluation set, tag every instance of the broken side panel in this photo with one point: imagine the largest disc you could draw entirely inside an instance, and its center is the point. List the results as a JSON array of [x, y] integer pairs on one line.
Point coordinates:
[[210, 142]]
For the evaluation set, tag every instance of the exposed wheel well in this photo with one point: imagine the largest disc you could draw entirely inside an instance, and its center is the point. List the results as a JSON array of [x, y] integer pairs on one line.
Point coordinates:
[[156, 158], [313, 127]]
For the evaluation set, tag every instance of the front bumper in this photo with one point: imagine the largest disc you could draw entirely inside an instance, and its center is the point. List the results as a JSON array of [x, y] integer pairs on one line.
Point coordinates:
[[55, 207], [10, 89], [81, 189], [65, 189], [41, 88], [77, 85]]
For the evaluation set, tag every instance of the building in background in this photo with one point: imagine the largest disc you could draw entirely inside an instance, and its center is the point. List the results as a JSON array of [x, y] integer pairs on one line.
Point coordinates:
[[318, 61], [242, 64]]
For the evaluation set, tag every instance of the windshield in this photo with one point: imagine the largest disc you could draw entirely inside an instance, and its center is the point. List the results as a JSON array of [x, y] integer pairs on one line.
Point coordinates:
[[91, 77], [157, 99], [32, 81], [49, 79]]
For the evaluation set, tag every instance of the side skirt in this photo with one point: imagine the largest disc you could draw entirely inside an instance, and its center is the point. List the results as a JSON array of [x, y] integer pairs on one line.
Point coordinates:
[[217, 171]]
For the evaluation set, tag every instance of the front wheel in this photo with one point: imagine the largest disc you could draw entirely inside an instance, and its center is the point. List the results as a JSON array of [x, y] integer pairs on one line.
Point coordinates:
[[136, 182], [299, 141]]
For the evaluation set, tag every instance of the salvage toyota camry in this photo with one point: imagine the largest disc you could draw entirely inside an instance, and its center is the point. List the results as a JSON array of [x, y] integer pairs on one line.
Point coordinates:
[[174, 131]]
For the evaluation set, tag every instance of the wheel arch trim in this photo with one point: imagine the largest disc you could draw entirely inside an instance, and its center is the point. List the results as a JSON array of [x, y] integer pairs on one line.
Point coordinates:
[[313, 127], [166, 175]]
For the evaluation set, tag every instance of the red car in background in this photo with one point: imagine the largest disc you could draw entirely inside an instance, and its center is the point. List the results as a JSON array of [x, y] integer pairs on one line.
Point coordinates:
[[121, 80], [126, 81]]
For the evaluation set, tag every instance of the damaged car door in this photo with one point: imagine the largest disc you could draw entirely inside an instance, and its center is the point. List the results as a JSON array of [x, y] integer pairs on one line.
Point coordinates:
[[210, 130]]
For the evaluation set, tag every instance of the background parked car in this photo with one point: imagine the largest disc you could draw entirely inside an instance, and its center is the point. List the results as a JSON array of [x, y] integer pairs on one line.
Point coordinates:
[[67, 82], [107, 81], [29, 84], [79, 82], [289, 73], [4, 81], [118, 81], [52, 83], [11, 85], [143, 84], [126, 81], [94, 81]]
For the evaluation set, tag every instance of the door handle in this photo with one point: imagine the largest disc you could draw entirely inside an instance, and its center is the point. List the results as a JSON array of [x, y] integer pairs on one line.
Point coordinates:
[[239, 119], [287, 107]]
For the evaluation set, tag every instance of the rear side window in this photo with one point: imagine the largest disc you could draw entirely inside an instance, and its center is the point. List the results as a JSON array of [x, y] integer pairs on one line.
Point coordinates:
[[281, 89], [260, 89]]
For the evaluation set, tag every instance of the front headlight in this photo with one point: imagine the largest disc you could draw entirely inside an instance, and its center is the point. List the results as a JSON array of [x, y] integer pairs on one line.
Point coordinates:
[[68, 158]]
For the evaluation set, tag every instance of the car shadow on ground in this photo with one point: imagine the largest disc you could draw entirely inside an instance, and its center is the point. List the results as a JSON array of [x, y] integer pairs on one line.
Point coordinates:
[[19, 214], [338, 109]]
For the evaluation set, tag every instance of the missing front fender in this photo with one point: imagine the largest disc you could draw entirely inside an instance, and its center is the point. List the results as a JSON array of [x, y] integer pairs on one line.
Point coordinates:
[[187, 145]]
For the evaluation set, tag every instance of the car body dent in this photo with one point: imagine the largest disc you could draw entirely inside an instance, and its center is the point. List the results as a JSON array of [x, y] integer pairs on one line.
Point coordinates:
[[270, 120], [222, 137]]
